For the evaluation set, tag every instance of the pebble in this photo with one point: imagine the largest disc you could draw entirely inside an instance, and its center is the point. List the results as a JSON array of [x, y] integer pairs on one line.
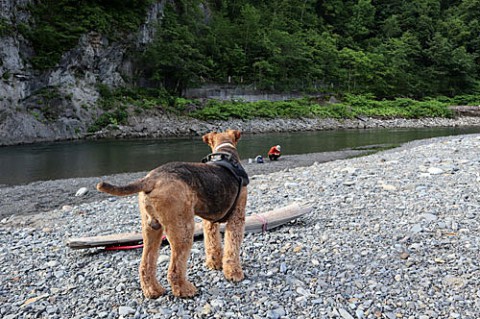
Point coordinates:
[[416, 228], [345, 314], [435, 171], [428, 217], [389, 187], [276, 313], [163, 259], [124, 311], [81, 192], [405, 247]]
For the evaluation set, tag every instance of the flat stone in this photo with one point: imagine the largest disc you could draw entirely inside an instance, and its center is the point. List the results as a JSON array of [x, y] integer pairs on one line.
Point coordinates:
[[452, 281], [81, 192], [389, 187], [162, 259], [124, 310], [276, 313], [428, 217], [345, 314], [435, 171], [416, 228]]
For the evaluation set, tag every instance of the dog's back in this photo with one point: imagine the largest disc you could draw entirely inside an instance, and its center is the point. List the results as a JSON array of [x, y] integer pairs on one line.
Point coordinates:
[[214, 186]]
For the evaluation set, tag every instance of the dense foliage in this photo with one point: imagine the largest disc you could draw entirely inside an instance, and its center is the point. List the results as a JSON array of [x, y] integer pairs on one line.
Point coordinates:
[[383, 57], [353, 106], [385, 47], [119, 103], [58, 24]]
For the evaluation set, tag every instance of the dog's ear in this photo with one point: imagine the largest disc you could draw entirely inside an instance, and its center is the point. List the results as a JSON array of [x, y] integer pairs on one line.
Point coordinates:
[[208, 138], [236, 135]]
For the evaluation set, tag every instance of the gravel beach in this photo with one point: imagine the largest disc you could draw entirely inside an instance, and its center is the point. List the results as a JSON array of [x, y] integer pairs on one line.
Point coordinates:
[[44, 196], [394, 234]]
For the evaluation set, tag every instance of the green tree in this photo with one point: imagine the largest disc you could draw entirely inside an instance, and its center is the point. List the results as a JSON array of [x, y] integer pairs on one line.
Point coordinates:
[[175, 58]]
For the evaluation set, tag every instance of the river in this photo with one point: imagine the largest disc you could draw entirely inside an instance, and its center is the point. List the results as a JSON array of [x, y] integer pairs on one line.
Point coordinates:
[[45, 161]]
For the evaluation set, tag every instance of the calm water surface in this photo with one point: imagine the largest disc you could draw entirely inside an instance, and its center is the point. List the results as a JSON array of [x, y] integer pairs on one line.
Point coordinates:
[[46, 161]]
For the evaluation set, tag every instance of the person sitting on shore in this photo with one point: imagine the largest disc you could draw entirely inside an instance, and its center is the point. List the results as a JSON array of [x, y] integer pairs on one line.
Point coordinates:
[[259, 159], [274, 153]]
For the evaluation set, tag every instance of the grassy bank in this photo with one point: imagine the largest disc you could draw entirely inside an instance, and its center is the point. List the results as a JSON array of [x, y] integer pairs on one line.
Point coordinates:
[[118, 104], [351, 106]]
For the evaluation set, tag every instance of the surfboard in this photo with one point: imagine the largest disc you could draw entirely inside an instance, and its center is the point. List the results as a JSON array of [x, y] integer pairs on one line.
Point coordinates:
[[254, 223]]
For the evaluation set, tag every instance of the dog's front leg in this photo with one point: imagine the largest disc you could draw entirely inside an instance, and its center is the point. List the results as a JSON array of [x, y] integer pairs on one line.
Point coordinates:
[[152, 238], [234, 232], [213, 244]]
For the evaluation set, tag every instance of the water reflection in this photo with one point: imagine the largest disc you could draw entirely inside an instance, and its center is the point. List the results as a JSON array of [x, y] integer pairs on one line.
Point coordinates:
[[27, 163]]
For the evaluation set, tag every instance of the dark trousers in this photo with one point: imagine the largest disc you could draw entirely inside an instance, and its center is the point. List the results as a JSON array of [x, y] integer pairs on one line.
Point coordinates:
[[273, 157]]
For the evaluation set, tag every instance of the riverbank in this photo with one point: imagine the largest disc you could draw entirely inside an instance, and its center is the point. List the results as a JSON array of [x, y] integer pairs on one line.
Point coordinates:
[[43, 196], [393, 235], [175, 126], [160, 125]]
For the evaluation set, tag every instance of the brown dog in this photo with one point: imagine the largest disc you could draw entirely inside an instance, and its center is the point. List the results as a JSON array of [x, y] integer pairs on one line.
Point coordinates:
[[170, 196]]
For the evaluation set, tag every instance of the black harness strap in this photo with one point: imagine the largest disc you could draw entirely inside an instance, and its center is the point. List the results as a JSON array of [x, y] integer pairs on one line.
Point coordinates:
[[225, 160]]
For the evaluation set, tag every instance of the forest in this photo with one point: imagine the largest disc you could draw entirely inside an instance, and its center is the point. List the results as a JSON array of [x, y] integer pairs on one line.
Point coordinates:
[[387, 48]]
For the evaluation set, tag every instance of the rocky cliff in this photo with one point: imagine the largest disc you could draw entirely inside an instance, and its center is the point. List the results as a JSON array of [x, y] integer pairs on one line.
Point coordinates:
[[59, 103]]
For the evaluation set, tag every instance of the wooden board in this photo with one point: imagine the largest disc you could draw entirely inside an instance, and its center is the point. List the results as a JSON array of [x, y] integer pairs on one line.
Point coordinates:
[[253, 224]]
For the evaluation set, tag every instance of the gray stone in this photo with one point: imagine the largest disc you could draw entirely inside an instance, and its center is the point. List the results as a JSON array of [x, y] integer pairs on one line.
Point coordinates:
[[283, 267], [276, 313], [416, 228], [345, 314], [163, 259], [428, 217], [435, 171], [125, 311], [81, 192]]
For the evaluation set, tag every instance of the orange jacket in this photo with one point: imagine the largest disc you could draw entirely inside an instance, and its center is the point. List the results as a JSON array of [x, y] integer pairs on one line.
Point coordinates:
[[274, 151]]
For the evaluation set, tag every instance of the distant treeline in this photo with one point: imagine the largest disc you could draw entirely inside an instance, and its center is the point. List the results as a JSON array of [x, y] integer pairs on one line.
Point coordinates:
[[389, 48]]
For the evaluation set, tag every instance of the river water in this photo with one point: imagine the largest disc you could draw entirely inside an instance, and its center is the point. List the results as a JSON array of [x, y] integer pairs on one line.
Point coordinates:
[[28, 163]]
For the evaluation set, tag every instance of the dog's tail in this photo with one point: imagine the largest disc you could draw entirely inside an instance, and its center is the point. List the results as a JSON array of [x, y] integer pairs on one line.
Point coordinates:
[[137, 186]]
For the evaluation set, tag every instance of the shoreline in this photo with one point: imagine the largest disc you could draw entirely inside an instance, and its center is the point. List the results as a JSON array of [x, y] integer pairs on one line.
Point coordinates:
[[43, 196], [172, 126]]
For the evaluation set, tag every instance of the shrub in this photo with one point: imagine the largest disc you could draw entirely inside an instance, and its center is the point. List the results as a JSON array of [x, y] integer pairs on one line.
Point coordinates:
[[5, 27], [116, 117], [429, 109], [57, 25]]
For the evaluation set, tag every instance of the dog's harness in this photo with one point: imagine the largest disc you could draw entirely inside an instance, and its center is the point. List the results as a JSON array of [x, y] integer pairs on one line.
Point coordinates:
[[225, 160]]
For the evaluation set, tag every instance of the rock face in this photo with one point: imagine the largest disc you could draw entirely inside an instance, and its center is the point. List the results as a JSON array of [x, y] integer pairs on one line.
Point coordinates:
[[59, 103]]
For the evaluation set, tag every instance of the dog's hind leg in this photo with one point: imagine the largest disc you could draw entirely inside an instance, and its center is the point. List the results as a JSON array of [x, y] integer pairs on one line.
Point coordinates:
[[234, 232], [174, 207], [181, 241], [213, 244], [152, 238]]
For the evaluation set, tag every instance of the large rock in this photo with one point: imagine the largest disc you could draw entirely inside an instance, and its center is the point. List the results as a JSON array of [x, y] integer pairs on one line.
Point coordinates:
[[60, 103]]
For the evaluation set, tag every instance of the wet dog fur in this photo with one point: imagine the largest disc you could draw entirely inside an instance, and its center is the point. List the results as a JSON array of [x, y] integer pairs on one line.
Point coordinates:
[[169, 197]]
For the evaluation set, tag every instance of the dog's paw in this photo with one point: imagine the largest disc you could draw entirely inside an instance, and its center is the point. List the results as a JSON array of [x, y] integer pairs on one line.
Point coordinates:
[[214, 264], [186, 290], [233, 273], [153, 292]]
